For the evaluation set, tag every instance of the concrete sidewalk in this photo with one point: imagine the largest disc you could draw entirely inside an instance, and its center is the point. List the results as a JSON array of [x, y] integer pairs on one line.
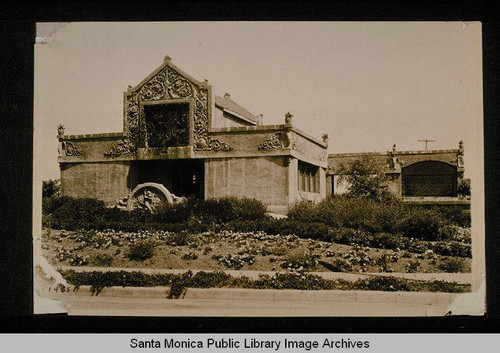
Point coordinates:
[[462, 278], [252, 302]]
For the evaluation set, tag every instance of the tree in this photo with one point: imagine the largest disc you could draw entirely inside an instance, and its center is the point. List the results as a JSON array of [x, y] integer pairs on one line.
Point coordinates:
[[50, 187], [365, 176]]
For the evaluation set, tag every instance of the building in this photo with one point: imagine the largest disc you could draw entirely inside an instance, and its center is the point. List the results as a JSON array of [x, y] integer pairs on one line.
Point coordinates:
[[413, 175], [180, 139]]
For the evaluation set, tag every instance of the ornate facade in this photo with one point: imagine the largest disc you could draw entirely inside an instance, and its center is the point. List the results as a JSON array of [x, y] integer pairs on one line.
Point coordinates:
[[413, 175], [181, 137]]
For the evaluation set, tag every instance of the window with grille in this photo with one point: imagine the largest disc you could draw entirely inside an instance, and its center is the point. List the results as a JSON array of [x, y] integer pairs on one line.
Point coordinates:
[[308, 177], [430, 178], [167, 125]]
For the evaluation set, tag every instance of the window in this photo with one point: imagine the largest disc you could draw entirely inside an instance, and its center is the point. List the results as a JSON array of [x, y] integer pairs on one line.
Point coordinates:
[[430, 178], [308, 177], [167, 125]]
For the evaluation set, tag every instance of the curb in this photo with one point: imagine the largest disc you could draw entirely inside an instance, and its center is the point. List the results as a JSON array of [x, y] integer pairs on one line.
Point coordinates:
[[270, 295]]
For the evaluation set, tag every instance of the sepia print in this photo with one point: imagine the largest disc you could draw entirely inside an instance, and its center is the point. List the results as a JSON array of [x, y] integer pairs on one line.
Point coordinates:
[[342, 176]]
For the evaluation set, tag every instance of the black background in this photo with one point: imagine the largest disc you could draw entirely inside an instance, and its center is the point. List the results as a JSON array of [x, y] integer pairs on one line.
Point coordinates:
[[17, 33]]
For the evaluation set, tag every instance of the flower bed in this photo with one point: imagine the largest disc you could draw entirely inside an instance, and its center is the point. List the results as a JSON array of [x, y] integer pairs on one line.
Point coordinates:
[[256, 251]]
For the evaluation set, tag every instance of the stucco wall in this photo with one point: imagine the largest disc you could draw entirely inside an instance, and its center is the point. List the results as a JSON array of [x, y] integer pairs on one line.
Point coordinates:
[[103, 181], [263, 178]]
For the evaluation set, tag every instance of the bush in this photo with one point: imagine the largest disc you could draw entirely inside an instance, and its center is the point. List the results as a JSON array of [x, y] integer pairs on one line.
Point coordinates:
[[51, 188], [141, 251], [175, 213], [226, 209], [452, 264], [180, 238], [452, 248], [77, 213], [463, 187], [350, 212], [300, 258], [103, 260], [303, 211], [455, 214], [422, 224], [52, 203]]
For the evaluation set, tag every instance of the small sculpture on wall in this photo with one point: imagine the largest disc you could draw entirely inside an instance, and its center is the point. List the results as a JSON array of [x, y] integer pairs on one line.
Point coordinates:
[[325, 139], [60, 129], [288, 118]]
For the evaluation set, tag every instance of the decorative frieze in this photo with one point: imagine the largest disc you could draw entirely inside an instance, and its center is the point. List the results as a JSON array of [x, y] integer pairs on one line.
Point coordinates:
[[296, 146], [67, 148], [275, 141], [321, 156], [123, 147], [217, 145]]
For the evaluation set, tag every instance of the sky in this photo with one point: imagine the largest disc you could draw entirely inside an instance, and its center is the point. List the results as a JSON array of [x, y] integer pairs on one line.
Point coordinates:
[[369, 85]]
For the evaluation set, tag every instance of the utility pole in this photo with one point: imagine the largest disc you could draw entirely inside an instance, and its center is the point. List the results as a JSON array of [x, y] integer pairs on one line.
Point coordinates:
[[426, 142]]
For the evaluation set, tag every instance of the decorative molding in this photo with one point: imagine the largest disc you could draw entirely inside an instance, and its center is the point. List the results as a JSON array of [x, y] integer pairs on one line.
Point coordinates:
[[321, 156], [67, 148], [167, 84], [123, 147], [217, 145], [275, 141], [296, 146]]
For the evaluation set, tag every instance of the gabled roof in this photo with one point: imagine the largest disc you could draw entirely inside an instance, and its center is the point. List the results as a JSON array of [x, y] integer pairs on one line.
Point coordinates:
[[232, 107]]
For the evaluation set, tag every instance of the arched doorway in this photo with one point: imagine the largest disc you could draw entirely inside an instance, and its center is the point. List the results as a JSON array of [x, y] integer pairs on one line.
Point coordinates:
[[430, 178]]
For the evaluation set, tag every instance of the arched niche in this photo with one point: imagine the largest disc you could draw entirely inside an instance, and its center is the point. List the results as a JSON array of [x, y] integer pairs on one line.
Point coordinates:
[[429, 178]]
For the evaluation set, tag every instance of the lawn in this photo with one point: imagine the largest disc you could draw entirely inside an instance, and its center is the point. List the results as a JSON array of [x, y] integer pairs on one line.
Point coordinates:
[[232, 250]]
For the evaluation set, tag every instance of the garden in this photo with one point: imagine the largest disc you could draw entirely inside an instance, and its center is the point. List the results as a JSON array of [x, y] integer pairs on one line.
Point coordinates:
[[339, 234]]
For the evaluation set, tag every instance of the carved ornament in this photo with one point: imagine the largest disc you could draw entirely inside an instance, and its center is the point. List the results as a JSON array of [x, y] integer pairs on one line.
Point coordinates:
[[321, 156], [168, 84], [296, 146], [123, 147], [67, 148]]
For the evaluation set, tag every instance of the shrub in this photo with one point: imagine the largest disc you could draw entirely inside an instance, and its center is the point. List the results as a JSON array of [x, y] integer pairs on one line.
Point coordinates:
[[452, 248], [103, 260], [141, 251], [226, 209], [389, 284], [452, 264], [180, 238], [300, 259], [422, 224], [50, 188], [303, 211], [463, 187], [341, 265], [350, 212], [52, 203], [455, 214], [350, 236], [77, 213], [175, 213], [247, 208]]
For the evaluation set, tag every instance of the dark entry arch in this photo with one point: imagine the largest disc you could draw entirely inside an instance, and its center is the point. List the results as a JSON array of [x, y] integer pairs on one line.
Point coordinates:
[[429, 178]]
